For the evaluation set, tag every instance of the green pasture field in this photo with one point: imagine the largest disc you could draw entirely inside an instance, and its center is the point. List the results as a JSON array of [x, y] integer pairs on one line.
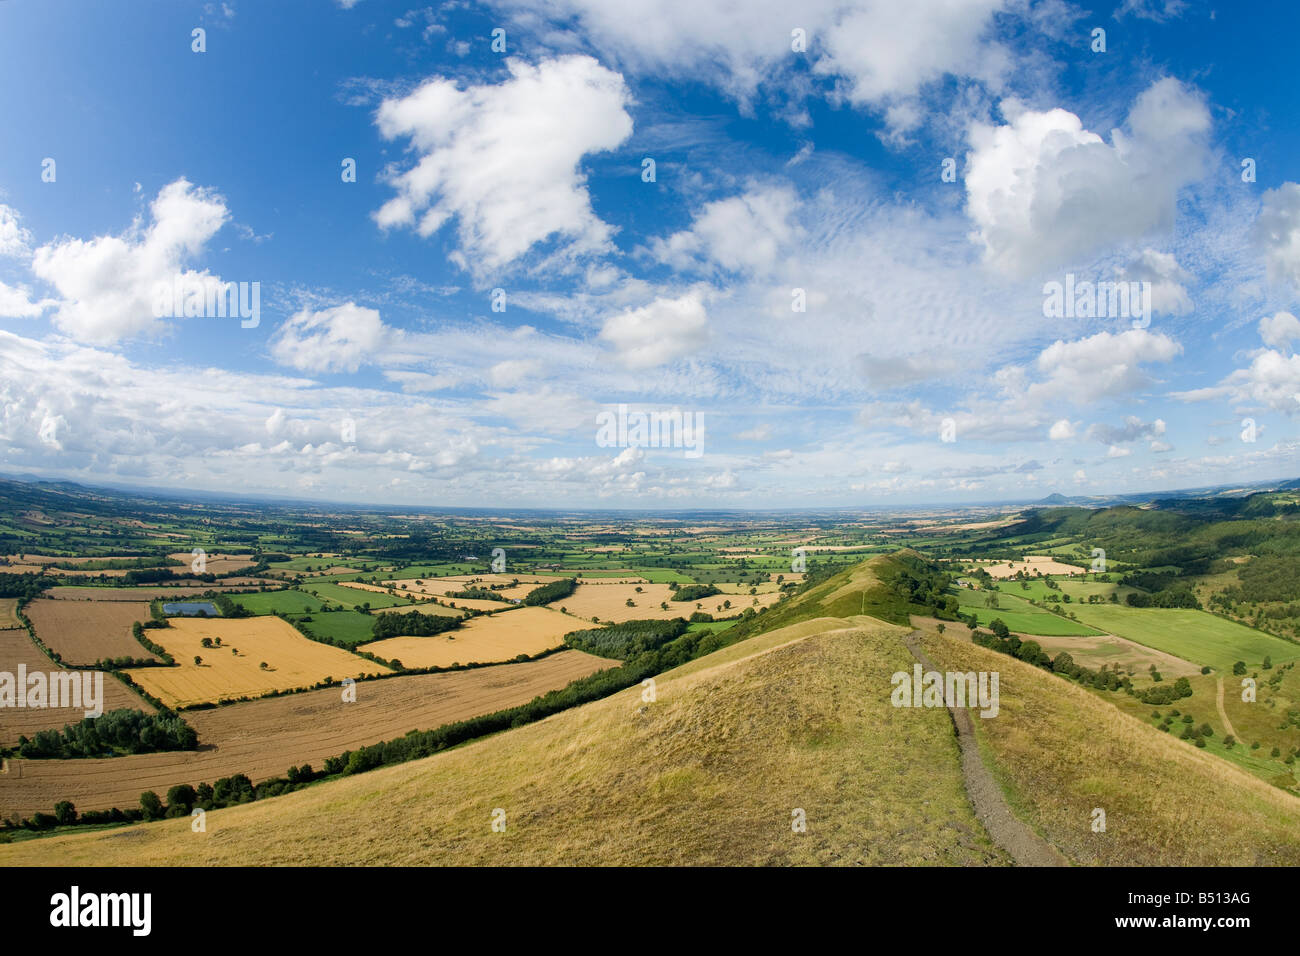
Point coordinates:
[[350, 597], [1018, 615], [347, 627], [1196, 636], [270, 602]]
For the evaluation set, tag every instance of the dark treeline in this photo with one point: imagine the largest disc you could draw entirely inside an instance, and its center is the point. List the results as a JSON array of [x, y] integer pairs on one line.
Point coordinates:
[[694, 592], [414, 745], [412, 624], [138, 632], [551, 592], [627, 640], [477, 594], [24, 586], [113, 733], [226, 605]]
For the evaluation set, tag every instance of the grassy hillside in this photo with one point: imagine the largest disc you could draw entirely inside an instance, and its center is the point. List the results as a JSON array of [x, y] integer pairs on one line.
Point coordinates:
[[1060, 752], [710, 773]]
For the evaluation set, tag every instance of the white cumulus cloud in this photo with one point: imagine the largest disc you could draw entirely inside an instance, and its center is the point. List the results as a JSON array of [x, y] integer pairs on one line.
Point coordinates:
[[504, 159]]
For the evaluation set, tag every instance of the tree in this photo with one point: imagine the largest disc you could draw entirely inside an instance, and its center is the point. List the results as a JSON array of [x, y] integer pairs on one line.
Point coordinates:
[[1239, 668], [940, 628], [65, 813], [262, 665], [198, 661], [182, 795], [999, 627], [151, 805]]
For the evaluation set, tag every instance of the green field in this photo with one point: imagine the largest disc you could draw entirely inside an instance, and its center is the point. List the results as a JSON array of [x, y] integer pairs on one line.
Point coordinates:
[[1017, 614], [350, 597], [712, 627], [1078, 590], [269, 602], [346, 627], [1195, 636]]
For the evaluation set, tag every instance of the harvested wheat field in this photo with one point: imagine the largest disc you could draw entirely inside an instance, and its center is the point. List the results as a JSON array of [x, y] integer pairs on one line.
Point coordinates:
[[16, 648], [1111, 649], [292, 661], [83, 632], [460, 582], [215, 563], [481, 640], [608, 602], [9, 613], [1033, 564], [430, 588], [263, 738]]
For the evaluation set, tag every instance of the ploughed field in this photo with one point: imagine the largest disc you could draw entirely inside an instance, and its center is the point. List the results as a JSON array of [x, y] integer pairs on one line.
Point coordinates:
[[263, 738], [16, 648], [83, 632]]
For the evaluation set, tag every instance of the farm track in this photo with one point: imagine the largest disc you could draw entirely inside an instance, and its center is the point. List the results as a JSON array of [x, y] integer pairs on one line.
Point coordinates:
[[1223, 714], [1025, 846]]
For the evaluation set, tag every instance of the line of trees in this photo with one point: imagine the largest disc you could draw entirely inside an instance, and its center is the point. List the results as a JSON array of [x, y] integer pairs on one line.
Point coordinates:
[[551, 591], [116, 732], [411, 624], [626, 640]]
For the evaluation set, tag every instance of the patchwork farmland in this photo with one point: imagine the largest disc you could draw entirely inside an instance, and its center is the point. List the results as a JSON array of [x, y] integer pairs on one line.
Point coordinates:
[[254, 656], [262, 738]]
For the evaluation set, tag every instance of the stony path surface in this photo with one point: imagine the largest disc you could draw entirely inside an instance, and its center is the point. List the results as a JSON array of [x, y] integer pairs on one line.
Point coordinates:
[[1025, 846]]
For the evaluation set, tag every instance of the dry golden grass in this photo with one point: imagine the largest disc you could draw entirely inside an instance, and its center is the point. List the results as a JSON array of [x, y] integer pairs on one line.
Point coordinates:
[[293, 661], [709, 773], [481, 640], [1060, 752]]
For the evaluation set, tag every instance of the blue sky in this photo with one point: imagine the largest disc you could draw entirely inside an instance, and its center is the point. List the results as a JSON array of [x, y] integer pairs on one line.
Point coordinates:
[[378, 370]]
